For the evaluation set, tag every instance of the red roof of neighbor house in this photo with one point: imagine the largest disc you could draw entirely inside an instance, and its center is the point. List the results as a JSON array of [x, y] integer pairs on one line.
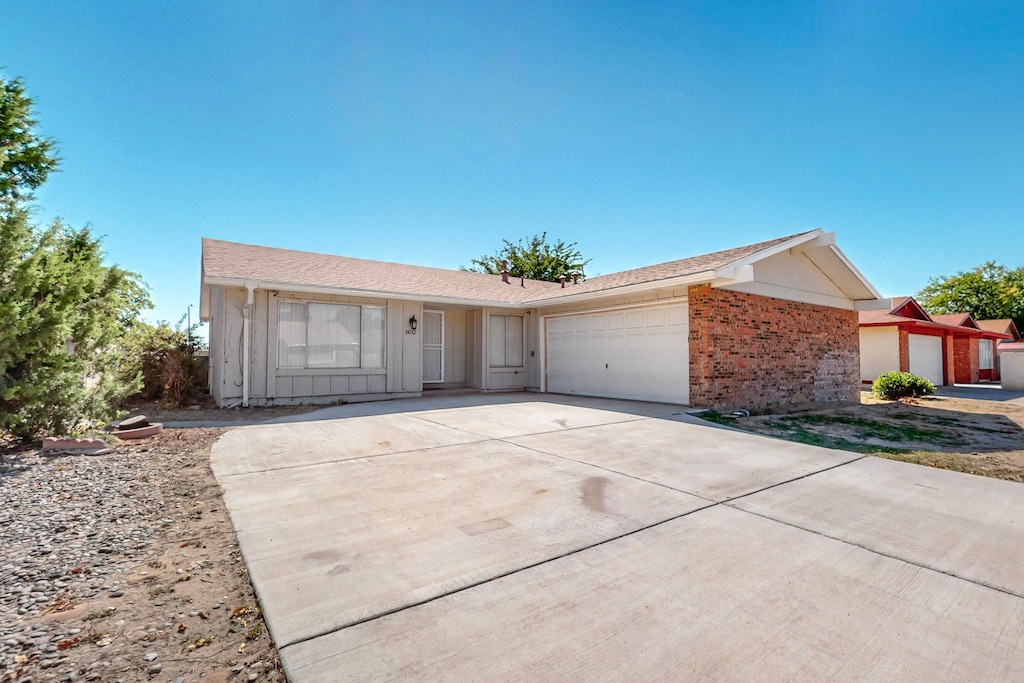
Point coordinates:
[[955, 319], [1000, 325], [953, 322], [233, 260]]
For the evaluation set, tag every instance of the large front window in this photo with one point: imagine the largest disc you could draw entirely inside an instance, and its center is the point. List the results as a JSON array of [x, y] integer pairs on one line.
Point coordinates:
[[505, 341], [330, 336]]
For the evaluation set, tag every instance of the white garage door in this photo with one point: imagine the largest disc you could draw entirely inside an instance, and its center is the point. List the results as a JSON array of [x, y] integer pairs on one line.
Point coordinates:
[[639, 353], [926, 357]]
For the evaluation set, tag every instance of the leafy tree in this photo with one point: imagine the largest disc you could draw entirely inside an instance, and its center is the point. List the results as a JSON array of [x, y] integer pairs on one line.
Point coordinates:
[[536, 259], [63, 310], [989, 291]]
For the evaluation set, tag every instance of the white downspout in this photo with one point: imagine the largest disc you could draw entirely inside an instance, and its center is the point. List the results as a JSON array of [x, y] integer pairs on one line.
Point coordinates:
[[246, 331]]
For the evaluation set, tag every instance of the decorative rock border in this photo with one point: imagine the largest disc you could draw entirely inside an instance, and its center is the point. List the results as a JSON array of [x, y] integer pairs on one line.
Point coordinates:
[[60, 444], [140, 432]]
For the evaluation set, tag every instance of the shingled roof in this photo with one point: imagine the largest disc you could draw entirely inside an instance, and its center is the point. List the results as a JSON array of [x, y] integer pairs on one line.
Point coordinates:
[[227, 261]]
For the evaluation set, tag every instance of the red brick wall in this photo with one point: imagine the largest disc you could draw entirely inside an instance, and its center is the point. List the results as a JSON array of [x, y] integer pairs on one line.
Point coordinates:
[[949, 358], [965, 360], [760, 353], [904, 350]]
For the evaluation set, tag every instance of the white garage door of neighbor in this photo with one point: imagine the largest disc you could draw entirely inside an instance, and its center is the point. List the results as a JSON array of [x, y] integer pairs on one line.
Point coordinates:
[[639, 353], [926, 357]]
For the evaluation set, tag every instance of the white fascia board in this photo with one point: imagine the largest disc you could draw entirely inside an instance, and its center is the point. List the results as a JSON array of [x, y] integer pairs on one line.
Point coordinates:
[[363, 293], [860, 276], [873, 305], [734, 275], [703, 277], [778, 248]]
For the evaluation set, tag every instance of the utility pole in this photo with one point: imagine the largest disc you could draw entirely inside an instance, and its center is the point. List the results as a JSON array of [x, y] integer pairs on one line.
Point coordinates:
[[188, 330]]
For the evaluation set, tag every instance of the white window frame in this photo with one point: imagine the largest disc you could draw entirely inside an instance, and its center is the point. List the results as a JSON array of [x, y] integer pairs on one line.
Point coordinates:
[[504, 365], [991, 354], [285, 369]]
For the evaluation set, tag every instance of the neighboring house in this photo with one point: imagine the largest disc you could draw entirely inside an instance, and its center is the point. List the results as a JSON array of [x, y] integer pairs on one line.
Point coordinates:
[[1003, 326], [763, 326], [944, 349], [1012, 360], [974, 357]]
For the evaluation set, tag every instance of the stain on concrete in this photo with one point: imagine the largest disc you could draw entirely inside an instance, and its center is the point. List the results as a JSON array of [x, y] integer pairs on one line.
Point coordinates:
[[539, 491], [384, 444], [561, 423], [592, 493], [339, 569], [321, 556], [477, 528]]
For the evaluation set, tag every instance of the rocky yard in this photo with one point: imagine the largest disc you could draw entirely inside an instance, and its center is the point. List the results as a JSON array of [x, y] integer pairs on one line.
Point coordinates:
[[125, 567]]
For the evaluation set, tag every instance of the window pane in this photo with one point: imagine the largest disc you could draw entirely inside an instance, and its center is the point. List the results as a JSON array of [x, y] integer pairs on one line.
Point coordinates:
[[372, 342], [496, 341], [513, 341], [985, 354], [291, 335], [333, 336]]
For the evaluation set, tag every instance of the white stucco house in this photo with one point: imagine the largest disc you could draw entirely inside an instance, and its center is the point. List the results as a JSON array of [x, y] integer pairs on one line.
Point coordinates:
[[764, 325]]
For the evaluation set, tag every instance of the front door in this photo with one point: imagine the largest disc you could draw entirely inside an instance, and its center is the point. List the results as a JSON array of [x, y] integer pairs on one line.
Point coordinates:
[[433, 346]]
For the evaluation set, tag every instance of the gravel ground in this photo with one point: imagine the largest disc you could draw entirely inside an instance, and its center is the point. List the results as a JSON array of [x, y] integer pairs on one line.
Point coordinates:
[[125, 567]]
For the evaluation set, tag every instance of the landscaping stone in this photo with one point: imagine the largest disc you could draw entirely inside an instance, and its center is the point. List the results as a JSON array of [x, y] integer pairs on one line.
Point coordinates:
[[83, 543], [140, 432], [58, 444], [133, 422]]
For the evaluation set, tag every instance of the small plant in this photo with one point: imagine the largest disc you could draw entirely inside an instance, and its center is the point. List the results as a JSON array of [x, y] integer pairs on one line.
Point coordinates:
[[896, 385]]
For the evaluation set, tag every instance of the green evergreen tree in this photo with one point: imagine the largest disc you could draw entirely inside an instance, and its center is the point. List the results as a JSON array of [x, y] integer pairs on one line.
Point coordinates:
[[62, 311]]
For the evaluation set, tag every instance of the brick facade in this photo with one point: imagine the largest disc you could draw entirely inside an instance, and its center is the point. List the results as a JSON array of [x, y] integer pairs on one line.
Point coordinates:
[[966, 360], [762, 354], [904, 350]]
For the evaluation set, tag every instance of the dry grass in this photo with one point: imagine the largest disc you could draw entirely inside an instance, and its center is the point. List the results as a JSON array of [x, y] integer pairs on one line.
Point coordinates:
[[977, 437]]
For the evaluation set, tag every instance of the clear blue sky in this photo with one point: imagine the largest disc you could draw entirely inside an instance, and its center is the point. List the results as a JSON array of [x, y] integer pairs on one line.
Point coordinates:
[[425, 132]]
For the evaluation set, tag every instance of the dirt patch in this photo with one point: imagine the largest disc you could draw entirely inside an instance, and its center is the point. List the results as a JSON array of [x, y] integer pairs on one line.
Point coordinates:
[[978, 437], [207, 411], [125, 567]]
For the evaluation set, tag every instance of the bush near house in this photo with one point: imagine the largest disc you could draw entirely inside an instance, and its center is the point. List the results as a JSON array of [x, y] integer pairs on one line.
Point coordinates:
[[897, 385], [165, 358]]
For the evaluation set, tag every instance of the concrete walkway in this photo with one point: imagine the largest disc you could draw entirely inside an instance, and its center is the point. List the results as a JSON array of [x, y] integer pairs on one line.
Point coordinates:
[[526, 537]]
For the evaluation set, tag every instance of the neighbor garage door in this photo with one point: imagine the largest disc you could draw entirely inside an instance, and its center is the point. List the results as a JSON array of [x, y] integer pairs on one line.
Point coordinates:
[[926, 357], [639, 353]]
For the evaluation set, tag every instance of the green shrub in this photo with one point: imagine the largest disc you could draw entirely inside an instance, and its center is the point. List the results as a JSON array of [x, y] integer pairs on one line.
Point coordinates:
[[165, 358], [897, 385]]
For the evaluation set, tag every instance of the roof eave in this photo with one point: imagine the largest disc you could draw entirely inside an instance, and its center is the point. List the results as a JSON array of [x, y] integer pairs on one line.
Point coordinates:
[[346, 291]]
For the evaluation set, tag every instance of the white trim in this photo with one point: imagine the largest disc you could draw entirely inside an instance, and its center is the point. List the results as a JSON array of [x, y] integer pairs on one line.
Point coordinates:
[[620, 307], [362, 293], [777, 249], [702, 277], [860, 276], [423, 345], [246, 342]]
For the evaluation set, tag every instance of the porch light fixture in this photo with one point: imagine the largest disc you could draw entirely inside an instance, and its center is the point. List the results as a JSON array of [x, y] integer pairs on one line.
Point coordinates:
[[413, 323]]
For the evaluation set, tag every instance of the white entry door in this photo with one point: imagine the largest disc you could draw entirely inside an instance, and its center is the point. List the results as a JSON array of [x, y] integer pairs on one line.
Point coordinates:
[[638, 353], [926, 357], [433, 346]]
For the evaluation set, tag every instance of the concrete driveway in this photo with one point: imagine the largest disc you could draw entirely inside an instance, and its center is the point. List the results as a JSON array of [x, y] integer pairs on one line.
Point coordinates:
[[527, 537], [985, 391]]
